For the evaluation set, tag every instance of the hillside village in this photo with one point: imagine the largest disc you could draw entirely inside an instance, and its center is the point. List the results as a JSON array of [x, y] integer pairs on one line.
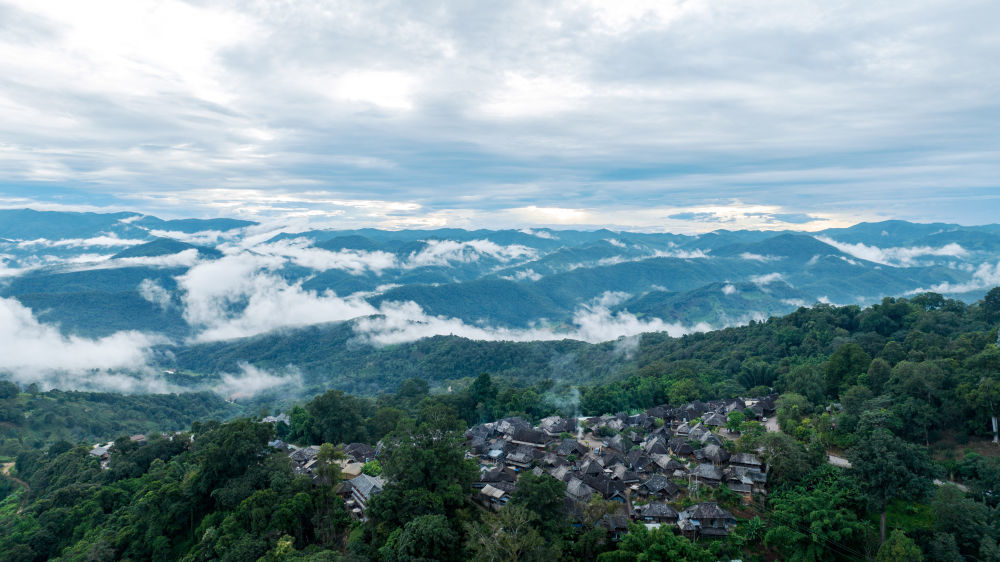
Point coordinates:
[[656, 466]]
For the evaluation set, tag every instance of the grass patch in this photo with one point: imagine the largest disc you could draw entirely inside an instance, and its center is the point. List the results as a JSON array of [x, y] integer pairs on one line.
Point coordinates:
[[907, 516]]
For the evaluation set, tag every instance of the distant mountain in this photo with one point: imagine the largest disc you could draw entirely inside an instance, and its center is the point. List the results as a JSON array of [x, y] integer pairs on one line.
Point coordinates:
[[93, 275], [165, 247]]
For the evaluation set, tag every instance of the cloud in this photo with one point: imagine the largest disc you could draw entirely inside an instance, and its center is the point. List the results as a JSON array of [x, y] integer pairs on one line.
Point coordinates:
[[728, 289], [905, 257], [243, 295], [766, 279], [400, 322], [446, 252], [154, 293], [356, 262], [524, 274], [104, 241], [758, 257], [984, 277], [31, 351], [545, 234], [251, 381]]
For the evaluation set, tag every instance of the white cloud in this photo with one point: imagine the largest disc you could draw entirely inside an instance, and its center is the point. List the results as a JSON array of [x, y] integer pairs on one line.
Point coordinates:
[[242, 295], [758, 257], [545, 234], [615, 242], [35, 352], [103, 241], [155, 293], [399, 322], [356, 262], [766, 279], [251, 381], [984, 277], [895, 256], [524, 274], [728, 289], [446, 252]]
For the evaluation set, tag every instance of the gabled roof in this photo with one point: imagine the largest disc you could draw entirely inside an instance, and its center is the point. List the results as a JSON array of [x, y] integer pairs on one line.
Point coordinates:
[[576, 488], [367, 485], [657, 483], [655, 509], [749, 459], [706, 510], [707, 472]]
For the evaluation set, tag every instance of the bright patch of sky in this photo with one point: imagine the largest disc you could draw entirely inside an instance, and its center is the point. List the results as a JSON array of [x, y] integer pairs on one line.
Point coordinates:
[[682, 116]]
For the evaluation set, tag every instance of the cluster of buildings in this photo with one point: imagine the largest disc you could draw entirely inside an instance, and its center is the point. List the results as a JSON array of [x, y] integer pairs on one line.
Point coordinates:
[[644, 462]]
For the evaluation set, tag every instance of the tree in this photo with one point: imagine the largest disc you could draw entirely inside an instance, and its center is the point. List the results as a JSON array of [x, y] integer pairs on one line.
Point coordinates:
[[645, 545], [735, 420], [888, 467], [372, 468], [961, 517], [336, 418], [844, 366], [508, 535], [543, 496], [785, 457], [990, 308], [428, 537], [816, 521], [899, 548], [791, 408], [807, 380]]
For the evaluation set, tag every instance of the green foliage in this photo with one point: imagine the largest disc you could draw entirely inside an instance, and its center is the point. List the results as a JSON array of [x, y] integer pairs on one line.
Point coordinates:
[[817, 520], [645, 545], [899, 548]]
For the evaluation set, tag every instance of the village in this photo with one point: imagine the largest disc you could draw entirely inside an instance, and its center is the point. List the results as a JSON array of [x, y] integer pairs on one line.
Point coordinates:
[[653, 467]]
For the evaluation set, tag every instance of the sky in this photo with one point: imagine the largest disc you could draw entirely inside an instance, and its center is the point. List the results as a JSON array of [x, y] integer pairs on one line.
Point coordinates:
[[662, 115]]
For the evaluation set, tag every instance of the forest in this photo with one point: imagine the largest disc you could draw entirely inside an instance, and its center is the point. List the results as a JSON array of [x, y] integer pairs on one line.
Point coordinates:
[[904, 391]]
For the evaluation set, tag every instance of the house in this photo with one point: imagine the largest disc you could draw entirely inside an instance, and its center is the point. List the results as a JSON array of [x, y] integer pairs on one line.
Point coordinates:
[[494, 498], [509, 426], [667, 464], [714, 420], [680, 447], [577, 490], [359, 452], [591, 468], [554, 426], [569, 447], [621, 473], [616, 525], [498, 474], [707, 474], [530, 437], [564, 472], [522, 457], [363, 487], [658, 486], [655, 512], [707, 520], [712, 453], [747, 460], [613, 490]]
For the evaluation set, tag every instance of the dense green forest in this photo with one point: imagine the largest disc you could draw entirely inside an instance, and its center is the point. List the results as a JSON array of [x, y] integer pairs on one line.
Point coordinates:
[[34, 419], [904, 391]]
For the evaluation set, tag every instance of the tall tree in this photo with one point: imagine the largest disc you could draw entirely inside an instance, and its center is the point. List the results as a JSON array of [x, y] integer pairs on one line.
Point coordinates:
[[888, 467]]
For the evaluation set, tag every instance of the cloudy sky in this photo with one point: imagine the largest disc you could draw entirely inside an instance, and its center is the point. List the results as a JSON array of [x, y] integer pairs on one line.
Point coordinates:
[[659, 115]]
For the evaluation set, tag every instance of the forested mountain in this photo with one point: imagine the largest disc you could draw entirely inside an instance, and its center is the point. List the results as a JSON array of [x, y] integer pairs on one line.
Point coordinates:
[[346, 307], [903, 391]]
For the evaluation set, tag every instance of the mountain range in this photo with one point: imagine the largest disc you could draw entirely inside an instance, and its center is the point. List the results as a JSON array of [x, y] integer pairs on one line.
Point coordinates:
[[115, 291]]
